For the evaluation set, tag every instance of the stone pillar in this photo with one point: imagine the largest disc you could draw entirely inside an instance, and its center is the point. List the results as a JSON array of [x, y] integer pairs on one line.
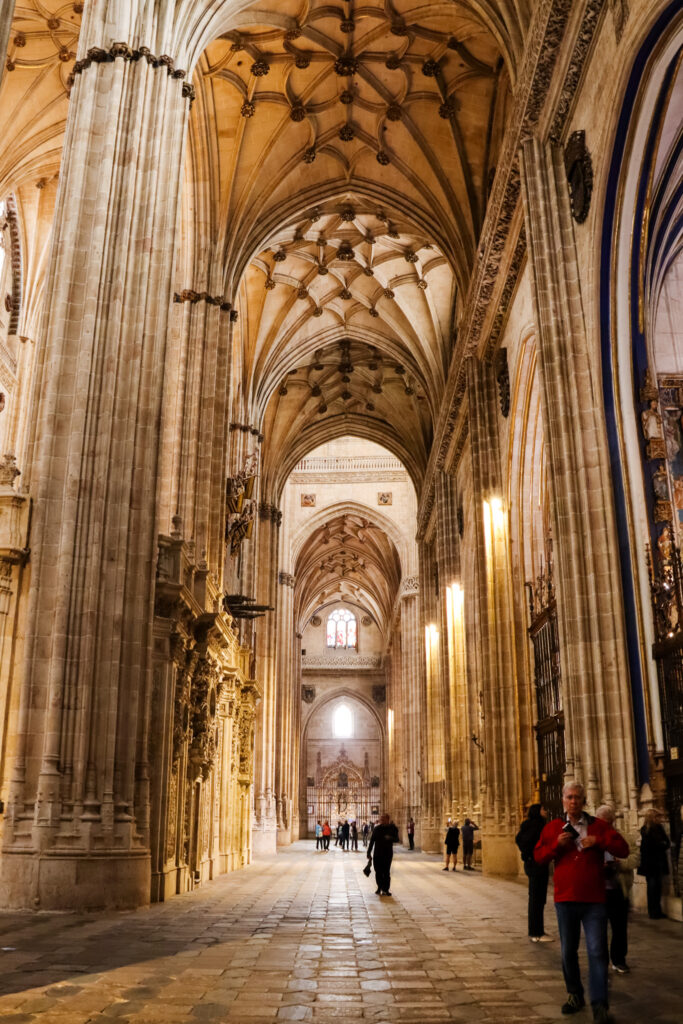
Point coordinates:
[[412, 686], [498, 671], [288, 698], [597, 705], [6, 16], [264, 833], [448, 563], [79, 805], [433, 761]]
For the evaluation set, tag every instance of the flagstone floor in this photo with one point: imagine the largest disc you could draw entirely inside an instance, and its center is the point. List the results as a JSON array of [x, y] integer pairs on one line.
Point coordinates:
[[303, 937]]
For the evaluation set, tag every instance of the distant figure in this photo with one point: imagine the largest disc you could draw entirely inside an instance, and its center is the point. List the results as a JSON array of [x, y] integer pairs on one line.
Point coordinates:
[[318, 836], [366, 833], [345, 830], [467, 834], [526, 839], [384, 835], [354, 836], [327, 832], [338, 834], [618, 883], [411, 834], [452, 842], [654, 862]]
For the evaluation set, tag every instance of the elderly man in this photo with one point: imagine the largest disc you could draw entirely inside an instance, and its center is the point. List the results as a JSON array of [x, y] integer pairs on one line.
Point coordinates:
[[618, 882], [577, 843]]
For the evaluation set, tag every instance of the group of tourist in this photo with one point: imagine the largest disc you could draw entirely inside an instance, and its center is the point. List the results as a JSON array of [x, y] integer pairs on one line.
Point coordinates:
[[593, 877], [346, 834], [452, 843]]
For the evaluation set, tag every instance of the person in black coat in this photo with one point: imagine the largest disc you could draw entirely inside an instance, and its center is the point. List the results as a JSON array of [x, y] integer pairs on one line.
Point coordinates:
[[381, 850], [654, 862], [452, 842], [526, 839]]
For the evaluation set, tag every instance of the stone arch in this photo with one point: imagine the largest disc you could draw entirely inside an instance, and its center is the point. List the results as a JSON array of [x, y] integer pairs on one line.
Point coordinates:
[[636, 124]]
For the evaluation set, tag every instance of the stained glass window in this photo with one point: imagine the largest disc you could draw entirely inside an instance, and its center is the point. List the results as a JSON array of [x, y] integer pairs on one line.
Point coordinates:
[[342, 725], [342, 629]]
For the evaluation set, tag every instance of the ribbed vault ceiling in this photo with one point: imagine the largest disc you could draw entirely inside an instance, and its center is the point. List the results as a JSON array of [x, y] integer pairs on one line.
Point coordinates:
[[355, 145], [352, 557]]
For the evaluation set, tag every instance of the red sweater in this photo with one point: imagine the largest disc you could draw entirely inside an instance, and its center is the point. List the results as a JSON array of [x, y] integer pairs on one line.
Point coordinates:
[[579, 874]]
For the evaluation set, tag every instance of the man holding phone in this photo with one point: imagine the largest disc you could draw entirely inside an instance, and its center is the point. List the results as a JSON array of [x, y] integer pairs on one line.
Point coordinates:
[[577, 843]]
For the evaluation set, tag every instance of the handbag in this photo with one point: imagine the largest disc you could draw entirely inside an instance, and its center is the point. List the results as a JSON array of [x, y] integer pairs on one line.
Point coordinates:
[[367, 869]]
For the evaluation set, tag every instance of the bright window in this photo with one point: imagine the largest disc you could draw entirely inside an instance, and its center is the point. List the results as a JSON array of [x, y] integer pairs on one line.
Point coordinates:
[[342, 722], [342, 629]]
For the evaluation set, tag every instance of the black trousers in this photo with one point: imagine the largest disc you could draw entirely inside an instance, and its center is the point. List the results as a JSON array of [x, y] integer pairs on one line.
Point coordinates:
[[654, 895], [382, 866], [617, 915], [538, 889], [411, 840]]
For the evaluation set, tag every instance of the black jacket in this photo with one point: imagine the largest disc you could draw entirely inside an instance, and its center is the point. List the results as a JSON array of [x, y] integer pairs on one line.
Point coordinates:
[[528, 835], [382, 842], [452, 840], [653, 847]]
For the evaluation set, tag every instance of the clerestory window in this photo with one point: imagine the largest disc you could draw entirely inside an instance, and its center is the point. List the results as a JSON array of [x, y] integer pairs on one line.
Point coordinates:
[[342, 629]]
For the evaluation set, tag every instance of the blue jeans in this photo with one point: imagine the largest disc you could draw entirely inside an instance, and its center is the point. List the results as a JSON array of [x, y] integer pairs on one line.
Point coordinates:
[[593, 916]]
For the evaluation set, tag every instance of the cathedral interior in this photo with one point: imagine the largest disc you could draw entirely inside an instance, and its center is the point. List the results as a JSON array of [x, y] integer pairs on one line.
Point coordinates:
[[341, 439]]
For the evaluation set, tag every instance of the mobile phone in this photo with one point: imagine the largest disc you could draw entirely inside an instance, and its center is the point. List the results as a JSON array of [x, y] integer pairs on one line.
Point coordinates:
[[570, 830]]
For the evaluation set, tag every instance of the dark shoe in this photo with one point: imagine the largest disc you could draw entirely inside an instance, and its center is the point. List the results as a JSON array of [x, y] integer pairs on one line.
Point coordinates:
[[621, 968], [444, 869], [573, 1004], [378, 892], [601, 1014], [454, 869], [387, 893]]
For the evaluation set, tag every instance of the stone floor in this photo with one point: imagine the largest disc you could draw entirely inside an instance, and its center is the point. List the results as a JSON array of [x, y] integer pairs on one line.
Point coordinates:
[[302, 936]]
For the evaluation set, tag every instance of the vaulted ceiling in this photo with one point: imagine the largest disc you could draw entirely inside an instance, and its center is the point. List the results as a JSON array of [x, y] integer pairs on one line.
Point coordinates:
[[348, 556], [353, 147]]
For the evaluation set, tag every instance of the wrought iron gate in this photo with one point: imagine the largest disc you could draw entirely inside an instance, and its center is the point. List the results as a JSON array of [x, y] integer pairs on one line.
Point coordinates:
[[666, 589], [549, 726]]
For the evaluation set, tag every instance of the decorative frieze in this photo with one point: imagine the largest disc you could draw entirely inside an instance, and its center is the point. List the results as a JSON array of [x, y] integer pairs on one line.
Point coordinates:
[[189, 295], [99, 55], [344, 661]]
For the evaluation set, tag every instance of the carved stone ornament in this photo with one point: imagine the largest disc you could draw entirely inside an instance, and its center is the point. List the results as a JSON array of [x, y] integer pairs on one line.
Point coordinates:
[[579, 168], [8, 470], [379, 694], [503, 381], [461, 520], [315, 620], [308, 694], [366, 620], [648, 392]]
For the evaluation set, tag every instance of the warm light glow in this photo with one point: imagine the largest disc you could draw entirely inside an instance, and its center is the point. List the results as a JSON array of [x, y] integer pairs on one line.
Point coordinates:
[[433, 632], [498, 513], [390, 720], [456, 599], [342, 722]]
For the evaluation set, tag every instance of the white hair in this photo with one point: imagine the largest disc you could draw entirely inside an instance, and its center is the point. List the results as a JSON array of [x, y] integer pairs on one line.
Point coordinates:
[[605, 812], [573, 785]]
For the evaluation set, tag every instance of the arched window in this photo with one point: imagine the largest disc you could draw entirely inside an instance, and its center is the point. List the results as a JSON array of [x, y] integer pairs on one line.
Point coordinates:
[[342, 722], [342, 629]]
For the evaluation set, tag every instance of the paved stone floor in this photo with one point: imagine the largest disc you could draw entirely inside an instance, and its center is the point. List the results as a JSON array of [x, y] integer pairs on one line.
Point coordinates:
[[303, 937]]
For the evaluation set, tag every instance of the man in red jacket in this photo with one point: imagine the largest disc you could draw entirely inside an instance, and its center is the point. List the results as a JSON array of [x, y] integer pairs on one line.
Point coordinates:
[[577, 844]]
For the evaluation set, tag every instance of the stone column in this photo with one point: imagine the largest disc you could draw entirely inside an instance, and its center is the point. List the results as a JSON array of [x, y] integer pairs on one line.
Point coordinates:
[[264, 833], [597, 705], [6, 16], [433, 761], [498, 670], [448, 563], [288, 697], [79, 807]]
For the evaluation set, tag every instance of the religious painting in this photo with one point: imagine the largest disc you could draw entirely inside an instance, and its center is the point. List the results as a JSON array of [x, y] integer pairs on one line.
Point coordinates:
[[308, 500], [671, 409]]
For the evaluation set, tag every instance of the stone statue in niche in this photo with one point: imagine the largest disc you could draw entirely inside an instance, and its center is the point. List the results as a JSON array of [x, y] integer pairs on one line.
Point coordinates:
[[672, 432], [660, 483], [652, 421], [678, 492], [308, 694], [665, 546]]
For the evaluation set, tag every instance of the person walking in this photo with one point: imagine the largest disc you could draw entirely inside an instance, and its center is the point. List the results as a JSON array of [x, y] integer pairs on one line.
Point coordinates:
[[411, 834], [618, 884], [526, 839], [654, 860], [381, 852], [354, 836], [366, 833], [345, 829], [327, 832], [318, 836], [467, 835], [338, 834], [452, 842], [577, 843]]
